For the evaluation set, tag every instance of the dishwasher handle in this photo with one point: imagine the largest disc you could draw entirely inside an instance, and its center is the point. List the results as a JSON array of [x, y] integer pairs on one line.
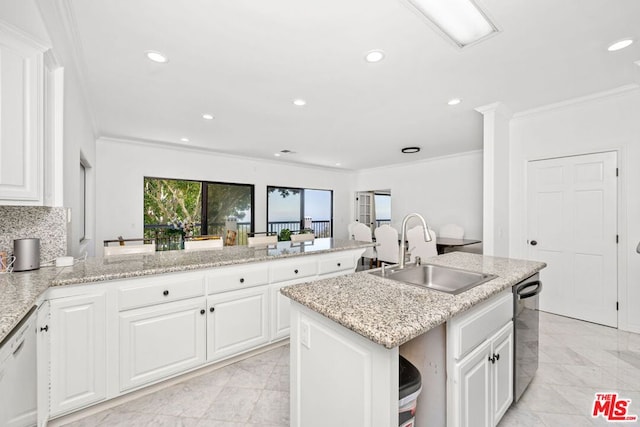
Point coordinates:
[[532, 293]]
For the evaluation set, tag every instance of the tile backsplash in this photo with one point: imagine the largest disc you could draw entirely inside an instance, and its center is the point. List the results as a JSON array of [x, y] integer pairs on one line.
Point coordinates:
[[46, 223]]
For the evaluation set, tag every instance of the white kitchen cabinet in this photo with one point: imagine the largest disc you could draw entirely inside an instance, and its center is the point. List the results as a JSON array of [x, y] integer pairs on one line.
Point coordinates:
[[160, 341], [480, 363], [237, 321], [21, 117], [280, 313], [77, 333]]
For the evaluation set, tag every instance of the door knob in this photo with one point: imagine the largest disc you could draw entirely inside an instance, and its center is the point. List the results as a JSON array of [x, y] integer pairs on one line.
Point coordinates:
[[533, 243]]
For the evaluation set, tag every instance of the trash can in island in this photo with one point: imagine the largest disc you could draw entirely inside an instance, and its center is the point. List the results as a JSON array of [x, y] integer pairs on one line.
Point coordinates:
[[409, 390]]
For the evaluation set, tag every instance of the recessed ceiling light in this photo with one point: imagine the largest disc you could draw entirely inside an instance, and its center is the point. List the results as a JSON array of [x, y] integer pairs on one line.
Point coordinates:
[[620, 44], [299, 102], [184, 139], [156, 56], [207, 116], [410, 150], [338, 164], [277, 154], [454, 101], [374, 56]]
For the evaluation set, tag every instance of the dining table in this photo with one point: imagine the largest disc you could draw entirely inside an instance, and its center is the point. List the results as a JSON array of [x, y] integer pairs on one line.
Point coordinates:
[[443, 243]]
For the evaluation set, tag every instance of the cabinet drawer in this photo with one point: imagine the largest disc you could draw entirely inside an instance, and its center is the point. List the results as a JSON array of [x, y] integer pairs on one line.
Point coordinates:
[[232, 278], [291, 270], [473, 327], [144, 292], [332, 265]]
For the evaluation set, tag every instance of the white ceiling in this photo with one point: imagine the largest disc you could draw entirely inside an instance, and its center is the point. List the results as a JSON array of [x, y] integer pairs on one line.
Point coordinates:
[[245, 61]]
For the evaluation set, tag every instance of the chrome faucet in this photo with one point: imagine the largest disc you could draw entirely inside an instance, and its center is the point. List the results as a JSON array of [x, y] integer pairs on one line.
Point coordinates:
[[427, 235]]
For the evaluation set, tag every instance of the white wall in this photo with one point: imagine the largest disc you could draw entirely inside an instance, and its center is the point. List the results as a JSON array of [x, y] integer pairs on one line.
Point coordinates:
[[122, 165], [600, 123], [444, 190]]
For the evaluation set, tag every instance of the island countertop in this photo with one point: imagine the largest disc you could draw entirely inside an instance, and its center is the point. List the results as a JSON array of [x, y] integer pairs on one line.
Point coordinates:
[[391, 313], [20, 291]]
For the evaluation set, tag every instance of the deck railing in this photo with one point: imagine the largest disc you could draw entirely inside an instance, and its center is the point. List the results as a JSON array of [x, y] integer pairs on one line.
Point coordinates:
[[168, 240]]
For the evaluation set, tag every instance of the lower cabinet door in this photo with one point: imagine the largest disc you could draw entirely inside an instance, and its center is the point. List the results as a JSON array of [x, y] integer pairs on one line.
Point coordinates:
[[160, 341], [237, 321], [280, 316], [474, 388], [502, 353], [77, 331]]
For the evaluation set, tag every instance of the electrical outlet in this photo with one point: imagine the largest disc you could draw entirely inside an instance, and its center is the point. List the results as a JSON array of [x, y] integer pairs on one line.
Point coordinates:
[[305, 334]]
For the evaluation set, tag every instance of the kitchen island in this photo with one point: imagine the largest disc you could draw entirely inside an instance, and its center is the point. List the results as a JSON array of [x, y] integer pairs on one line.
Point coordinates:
[[347, 334]]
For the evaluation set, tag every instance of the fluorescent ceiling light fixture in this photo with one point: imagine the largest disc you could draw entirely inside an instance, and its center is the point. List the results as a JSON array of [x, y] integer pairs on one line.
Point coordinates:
[[374, 56], [454, 101], [620, 44], [157, 56], [184, 139], [299, 102], [207, 116], [461, 20]]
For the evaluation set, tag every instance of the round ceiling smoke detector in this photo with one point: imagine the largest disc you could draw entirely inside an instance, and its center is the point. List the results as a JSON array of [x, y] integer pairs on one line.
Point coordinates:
[[410, 150]]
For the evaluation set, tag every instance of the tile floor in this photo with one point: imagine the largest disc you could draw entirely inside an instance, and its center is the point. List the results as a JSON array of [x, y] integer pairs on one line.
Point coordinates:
[[577, 359]]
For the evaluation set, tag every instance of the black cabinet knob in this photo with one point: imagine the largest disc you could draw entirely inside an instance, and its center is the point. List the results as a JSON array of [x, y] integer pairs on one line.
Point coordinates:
[[202, 311], [165, 293], [295, 271], [242, 280], [533, 243], [212, 309], [339, 264], [45, 329], [496, 356]]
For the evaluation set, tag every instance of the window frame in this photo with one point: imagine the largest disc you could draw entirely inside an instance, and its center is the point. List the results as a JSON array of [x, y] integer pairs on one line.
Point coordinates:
[[302, 204]]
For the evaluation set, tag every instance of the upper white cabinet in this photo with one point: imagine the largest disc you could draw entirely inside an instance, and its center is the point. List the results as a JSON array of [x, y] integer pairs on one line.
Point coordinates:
[[30, 121]]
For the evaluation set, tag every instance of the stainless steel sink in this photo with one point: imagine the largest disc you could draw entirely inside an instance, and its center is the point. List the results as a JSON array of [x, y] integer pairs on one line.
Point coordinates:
[[444, 279]]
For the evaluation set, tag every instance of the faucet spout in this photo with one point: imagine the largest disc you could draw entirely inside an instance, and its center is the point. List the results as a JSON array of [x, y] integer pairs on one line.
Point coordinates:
[[427, 235]]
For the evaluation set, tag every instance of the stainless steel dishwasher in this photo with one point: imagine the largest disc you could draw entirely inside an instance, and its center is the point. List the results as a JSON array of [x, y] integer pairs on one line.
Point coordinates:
[[525, 336], [18, 375]]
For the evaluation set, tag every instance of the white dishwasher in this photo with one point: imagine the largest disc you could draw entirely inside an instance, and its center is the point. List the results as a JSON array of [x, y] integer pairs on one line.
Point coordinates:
[[18, 405]]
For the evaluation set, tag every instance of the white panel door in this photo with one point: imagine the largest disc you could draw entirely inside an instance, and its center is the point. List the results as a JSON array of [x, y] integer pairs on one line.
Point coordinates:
[[572, 226], [78, 348], [162, 340]]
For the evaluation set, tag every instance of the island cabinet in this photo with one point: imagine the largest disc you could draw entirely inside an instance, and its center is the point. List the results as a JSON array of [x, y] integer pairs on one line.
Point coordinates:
[[480, 363], [105, 339], [339, 377]]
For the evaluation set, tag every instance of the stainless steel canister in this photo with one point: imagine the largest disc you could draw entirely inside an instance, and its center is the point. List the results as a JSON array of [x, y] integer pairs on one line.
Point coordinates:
[[27, 253]]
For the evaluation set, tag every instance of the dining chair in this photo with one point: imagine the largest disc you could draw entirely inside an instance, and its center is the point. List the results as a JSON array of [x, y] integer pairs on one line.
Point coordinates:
[[362, 233], [129, 246], [302, 237], [453, 231], [350, 227], [262, 241], [417, 245], [203, 242], [388, 247]]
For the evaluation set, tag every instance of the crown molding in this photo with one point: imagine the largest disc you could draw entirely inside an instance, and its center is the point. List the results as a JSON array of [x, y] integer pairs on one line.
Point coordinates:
[[619, 91]]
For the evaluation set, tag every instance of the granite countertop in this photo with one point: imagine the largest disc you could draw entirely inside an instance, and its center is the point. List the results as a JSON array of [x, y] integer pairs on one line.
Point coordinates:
[[391, 313], [20, 291]]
